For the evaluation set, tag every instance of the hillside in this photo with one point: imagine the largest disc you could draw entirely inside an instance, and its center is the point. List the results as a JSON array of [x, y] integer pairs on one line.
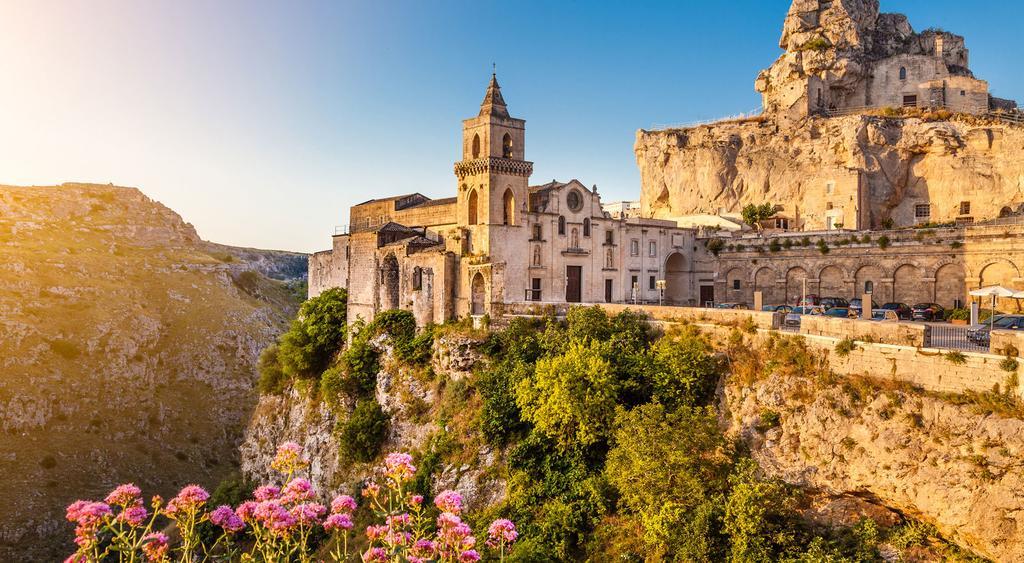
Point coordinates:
[[128, 348]]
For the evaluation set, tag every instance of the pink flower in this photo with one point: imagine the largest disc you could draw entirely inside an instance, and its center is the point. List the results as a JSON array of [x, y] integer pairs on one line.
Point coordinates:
[[424, 548], [134, 515], [371, 489], [343, 504], [375, 554], [469, 556], [155, 546], [337, 522], [448, 520], [289, 458], [266, 492], [227, 519], [190, 499], [297, 490], [501, 532], [87, 512], [416, 501], [398, 521], [374, 533], [124, 495], [399, 466], [247, 510], [309, 514], [449, 501], [274, 516]]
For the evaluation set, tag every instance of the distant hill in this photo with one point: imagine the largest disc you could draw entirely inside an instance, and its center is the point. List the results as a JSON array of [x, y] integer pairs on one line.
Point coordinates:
[[128, 350]]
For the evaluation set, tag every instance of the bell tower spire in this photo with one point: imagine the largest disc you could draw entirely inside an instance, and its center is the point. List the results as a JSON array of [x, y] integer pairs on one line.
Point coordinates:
[[493, 103]]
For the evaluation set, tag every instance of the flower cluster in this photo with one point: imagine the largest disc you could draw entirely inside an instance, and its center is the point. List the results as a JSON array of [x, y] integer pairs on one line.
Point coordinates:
[[279, 522]]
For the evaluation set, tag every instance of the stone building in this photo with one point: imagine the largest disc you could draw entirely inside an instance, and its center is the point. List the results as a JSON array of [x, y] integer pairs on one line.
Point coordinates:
[[501, 240], [844, 55]]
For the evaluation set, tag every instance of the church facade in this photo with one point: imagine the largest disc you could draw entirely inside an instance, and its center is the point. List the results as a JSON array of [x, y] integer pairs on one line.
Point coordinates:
[[502, 241]]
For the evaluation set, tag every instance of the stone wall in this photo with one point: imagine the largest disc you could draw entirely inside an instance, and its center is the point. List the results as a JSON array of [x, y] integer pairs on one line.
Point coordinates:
[[722, 317], [906, 334], [329, 268]]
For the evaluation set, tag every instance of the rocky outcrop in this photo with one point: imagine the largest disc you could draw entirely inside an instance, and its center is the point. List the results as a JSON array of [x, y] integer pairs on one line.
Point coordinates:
[[921, 456], [128, 354], [877, 167]]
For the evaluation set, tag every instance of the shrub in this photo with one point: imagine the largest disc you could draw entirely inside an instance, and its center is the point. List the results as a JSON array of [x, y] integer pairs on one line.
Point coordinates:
[[1009, 364], [363, 433], [956, 244], [956, 357], [806, 241], [399, 325], [883, 242], [866, 239], [272, 379], [759, 516], [888, 223], [823, 246], [715, 246], [774, 245], [958, 314], [684, 372], [315, 336], [845, 346], [769, 419], [818, 43], [360, 363]]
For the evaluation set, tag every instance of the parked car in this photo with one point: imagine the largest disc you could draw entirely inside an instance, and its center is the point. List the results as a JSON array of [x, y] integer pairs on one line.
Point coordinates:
[[927, 312], [971, 330], [902, 310], [809, 301], [983, 335], [830, 302], [857, 305], [841, 313], [731, 306], [776, 308], [792, 319], [885, 316]]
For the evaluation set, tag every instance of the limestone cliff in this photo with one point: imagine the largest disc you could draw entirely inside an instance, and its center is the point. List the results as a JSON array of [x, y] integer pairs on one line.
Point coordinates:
[[922, 456], [128, 350], [860, 170]]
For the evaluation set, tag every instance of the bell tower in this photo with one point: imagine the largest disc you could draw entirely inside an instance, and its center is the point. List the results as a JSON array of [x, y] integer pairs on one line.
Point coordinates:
[[493, 175]]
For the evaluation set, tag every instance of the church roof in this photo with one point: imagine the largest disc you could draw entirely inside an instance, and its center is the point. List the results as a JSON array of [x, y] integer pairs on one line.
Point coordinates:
[[493, 103]]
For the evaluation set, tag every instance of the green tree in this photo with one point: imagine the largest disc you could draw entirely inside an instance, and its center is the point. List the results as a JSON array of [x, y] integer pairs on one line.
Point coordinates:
[[759, 517], [685, 371], [571, 397], [753, 214], [363, 433], [315, 335]]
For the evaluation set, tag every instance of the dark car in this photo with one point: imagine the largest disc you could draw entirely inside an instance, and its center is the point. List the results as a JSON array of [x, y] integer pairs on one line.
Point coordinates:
[[792, 319], [831, 302], [809, 301], [927, 312], [857, 305], [841, 313], [776, 308], [731, 306], [903, 310], [1007, 322]]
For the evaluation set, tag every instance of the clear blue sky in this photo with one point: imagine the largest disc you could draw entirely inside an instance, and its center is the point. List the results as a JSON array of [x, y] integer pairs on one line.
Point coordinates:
[[261, 122]]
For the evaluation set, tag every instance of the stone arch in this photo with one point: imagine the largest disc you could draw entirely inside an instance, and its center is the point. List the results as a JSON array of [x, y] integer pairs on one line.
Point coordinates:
[[869, 278], [675, 279], [389, 283], [476, 146], [506, 146], [764, 280], [950, 284], [478, 295], [795, 277], [508, 206], [734, 294], [908, 287], [997, 271], [473, 210], [831, 282]]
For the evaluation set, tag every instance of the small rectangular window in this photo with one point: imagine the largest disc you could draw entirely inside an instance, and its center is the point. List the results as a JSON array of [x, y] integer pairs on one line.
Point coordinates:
[[652, 283], [922, 211], [965, 208], [828, 206], [634, 248], [609, 236], [535, 289], [537, 231], [963, 92], [830, 187], [652, 249], [735, 284]]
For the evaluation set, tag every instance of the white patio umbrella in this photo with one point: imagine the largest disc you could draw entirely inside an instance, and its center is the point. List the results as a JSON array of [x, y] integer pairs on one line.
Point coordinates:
[[995, 292]]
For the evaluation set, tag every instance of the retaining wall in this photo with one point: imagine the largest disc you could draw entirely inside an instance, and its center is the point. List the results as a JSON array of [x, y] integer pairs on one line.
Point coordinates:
[[908, 334], [725, 317]]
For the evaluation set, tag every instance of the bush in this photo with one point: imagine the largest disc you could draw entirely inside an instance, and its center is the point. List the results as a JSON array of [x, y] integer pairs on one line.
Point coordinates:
[[823, 246], [360, 364], [769, 419], [684, 373], [774, 245], [845, 346], [1009, 364], [883, 242], [315, 336], [956, 357], [818, 43], [272, 379], [958, 314], [399, 325], [715, 246], [364, 432]]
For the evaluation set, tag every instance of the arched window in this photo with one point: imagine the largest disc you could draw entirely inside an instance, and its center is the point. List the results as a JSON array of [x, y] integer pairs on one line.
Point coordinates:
[[476, 146], [506, 146], [473, 202], [903, 73], [509, 207], [561, 225], [869, 287], [586, 227]]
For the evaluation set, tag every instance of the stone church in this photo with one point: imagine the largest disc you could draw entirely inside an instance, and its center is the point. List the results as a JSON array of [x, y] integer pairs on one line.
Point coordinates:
[[501, 241]]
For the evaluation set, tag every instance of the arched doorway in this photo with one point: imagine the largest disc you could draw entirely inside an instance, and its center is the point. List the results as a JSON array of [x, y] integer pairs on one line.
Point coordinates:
[[474, 202], [675, 280], [509, 207], [478, 295], [950, 285], [830, 282], [389, 283], [764, 281], [908, 287]]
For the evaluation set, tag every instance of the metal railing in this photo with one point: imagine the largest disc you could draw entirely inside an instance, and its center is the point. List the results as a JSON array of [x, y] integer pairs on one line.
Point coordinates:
[[953, 337]]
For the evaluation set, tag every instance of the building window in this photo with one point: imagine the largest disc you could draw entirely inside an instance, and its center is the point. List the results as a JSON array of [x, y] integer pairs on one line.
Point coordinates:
[[869, 287], [735, 284], [922, 211], [830, 187], [609, 237], [506, 146], [652, 249], [537, 232], [574, 200], [476, 146], [535, 289], [963, 92], [634, 247], [652, 283], [903, 73], [965, 208], [586, 227], [561, 225], [828, 206], [509, 207], [417, 278], [634, 285]]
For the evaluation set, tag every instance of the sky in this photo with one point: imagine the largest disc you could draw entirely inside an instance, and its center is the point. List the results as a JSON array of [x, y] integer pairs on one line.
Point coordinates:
[[261, 122]]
